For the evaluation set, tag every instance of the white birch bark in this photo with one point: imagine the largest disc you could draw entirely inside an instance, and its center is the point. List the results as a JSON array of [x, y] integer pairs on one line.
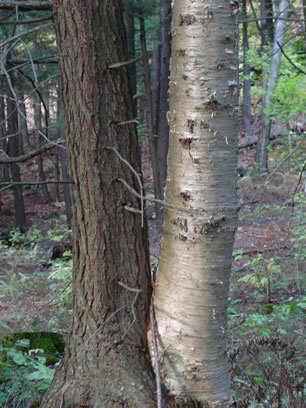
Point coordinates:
[[194, 270]]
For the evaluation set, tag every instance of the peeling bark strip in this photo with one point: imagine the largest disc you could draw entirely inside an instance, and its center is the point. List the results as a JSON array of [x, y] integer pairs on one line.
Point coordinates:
[[106, 362], [193, 277]]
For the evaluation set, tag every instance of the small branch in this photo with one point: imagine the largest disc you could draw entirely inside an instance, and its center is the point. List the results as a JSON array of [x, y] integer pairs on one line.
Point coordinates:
[[27, 5], [41, 60], [275, 170], [132, 209], [25, 33], [249, 381], [136, 175], [137, 291], [121, 64], [29, 155], [26, 183], [127, 122], [154, 200], [33, 21], [30, 183], [128, 288], [288, 59]]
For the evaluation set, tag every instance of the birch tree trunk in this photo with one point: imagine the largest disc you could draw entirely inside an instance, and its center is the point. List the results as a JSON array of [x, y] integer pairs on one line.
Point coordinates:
[[196, 255], [261, 151]]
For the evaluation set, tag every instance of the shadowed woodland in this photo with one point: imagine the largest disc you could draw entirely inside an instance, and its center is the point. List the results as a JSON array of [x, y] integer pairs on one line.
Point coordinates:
[[152, 203]]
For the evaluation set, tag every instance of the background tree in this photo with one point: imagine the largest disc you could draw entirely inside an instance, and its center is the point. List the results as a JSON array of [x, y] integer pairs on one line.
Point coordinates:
[[195, 264], [261, 152]]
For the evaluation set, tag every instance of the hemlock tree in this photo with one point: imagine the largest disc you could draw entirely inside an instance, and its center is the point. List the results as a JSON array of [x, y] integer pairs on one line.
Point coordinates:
[[196, 255], [106, 361]]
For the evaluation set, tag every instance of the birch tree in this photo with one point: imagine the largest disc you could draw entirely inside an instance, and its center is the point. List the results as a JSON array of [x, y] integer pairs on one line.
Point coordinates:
[[194, 270]]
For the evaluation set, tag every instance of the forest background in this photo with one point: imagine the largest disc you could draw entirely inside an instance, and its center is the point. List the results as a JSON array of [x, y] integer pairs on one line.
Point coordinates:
[[267, 301]]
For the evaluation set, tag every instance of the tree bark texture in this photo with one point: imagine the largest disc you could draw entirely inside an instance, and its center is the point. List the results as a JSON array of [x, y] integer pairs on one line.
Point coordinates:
[[106, 362], [194, 270], [264, 136], [163, 127]]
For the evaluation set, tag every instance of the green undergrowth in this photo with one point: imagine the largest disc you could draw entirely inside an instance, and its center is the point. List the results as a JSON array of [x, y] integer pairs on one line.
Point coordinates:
[[266, 311], [27, 366], [266, 319]]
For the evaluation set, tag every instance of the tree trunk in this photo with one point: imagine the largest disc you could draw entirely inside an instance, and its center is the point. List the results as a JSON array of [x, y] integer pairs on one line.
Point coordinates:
[[130, 36], [261, 151], [246, 103], [22, 122], [194, 270], [267, 27], [63, 160], [13, 144], [163, 128], [149, 116], [106, 362], [39, 141]]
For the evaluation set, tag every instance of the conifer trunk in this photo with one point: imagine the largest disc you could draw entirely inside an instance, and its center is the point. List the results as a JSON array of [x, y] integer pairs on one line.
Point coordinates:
[[106, 362]]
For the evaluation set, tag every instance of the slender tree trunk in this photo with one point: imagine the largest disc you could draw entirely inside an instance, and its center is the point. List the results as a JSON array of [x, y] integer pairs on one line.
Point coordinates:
[[4, 175], [263, 142], [149, 116], [246, 103], [129, 23], [267, 26], [22, 122], [304, 14], [163, 128], [194, 270], [155, 88], [63, 160], [39, 141], [13, 144], [106, 362]]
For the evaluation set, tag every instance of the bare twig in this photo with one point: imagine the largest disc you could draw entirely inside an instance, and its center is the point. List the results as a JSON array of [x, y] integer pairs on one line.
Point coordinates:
[[32, 21], [127, 122], [32, 30], [137, 177], [288, 59], [249, 382], [121, 64], [190, 211], [137, 291], [31, 183], [132, 209], [29, 155], [275, 170]]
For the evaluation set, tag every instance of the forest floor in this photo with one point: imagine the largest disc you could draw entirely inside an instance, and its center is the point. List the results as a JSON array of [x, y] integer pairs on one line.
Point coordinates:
[[266, 303]]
